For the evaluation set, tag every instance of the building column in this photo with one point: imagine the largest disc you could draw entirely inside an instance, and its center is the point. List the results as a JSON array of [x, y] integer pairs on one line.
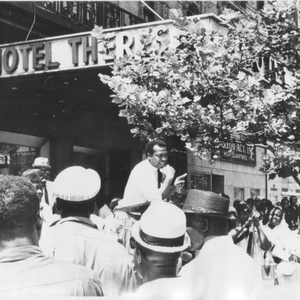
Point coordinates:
[[61, 151]]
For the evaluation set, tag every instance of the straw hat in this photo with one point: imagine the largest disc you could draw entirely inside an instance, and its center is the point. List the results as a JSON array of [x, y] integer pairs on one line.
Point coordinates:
[[208, 203], [41, 162], [76, 184], [162, 228]]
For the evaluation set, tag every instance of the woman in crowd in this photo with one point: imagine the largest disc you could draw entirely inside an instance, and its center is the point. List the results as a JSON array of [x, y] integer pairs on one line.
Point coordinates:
[[279, 234]]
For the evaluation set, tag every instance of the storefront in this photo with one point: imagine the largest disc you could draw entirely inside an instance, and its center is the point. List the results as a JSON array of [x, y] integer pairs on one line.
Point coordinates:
[[53, 104]]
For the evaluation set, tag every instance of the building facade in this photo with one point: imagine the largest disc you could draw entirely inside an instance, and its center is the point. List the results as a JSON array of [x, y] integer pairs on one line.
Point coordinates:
[[53, 104]]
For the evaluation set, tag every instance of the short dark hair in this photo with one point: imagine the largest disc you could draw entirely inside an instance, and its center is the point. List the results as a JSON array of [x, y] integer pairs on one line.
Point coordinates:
[[75, 208], [19, 204], [150, 145], [164, 259]]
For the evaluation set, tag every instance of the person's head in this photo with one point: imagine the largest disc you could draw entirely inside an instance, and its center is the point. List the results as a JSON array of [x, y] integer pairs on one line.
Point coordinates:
[[256, 201], [232, 221], [285, 204], [34, 175], [75, 188], [113, 203], [206, 212], [159, 238], [275, 216], [250, 203], [42, 163], [293, 200], [157, 154], [264, 209], [243, 211], [19, 210]]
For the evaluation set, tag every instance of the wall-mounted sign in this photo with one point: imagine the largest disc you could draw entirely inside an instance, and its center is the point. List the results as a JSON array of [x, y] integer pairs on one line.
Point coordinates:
[[82, 50], [238, 152]]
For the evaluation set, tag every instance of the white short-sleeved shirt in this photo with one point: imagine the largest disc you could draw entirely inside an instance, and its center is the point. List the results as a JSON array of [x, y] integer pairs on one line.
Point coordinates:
[[142, 184]]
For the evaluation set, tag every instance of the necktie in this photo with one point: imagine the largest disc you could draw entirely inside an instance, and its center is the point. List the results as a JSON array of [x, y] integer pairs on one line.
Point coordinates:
[[46, 195], [159, 178]]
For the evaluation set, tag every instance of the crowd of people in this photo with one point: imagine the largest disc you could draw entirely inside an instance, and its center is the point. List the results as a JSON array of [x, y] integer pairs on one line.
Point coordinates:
[[154, 243]]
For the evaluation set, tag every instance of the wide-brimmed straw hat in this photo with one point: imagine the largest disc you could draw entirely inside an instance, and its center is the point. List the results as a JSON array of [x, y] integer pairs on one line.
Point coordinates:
[[207, 203], [40, 162], [76, 184], [162, 228]]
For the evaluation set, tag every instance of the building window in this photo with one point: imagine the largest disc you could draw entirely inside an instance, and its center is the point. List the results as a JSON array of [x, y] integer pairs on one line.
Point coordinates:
[[200, 181], [149, 16], [254, 193], [239, 194], [217, 183]]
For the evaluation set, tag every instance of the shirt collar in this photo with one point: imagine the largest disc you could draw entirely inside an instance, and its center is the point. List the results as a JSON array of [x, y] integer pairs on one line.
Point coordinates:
[[82, 220], [19, 253], [154, 169]]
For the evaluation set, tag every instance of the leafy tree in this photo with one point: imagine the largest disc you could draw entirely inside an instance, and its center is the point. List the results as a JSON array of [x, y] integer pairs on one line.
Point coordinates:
[[206, 87]]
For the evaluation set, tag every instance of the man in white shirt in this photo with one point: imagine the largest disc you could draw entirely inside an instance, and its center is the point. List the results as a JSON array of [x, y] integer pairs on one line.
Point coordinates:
[[42, 163], [151, 179], [76, 239]]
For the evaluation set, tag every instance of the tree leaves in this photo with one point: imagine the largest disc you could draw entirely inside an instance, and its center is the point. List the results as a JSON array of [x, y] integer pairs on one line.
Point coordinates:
[[206, 86]]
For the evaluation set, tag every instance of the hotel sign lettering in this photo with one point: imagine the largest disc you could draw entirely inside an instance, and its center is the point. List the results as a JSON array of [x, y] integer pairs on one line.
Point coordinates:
[[82, 50], [79, 51], [238, 152]]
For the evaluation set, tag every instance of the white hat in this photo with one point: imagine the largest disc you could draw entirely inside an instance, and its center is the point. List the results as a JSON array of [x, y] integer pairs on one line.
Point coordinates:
[[76, 184], [162, 228], [41, 162]]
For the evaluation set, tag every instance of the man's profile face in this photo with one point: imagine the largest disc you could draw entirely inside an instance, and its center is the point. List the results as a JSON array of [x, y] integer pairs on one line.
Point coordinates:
[[159, 157], [294, 200], [45, 173]]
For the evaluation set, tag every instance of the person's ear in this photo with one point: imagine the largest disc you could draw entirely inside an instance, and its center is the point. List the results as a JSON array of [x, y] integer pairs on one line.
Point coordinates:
[[39, 222], [204, 225], [139, 257]]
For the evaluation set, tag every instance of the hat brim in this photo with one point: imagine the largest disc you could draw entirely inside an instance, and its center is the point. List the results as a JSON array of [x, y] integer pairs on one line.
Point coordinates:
[[204, 211], [136, 208], [41, 166], [136, 235]]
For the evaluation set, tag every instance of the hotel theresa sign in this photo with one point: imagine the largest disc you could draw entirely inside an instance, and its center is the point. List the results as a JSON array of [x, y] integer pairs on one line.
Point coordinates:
[[79, 51]]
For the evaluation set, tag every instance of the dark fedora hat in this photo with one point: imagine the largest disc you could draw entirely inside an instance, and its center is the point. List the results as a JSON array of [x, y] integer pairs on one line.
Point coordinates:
[[207, 203]]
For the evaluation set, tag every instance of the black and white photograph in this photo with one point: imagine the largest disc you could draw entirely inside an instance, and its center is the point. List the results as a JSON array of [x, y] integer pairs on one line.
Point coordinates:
[[150, 150]]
